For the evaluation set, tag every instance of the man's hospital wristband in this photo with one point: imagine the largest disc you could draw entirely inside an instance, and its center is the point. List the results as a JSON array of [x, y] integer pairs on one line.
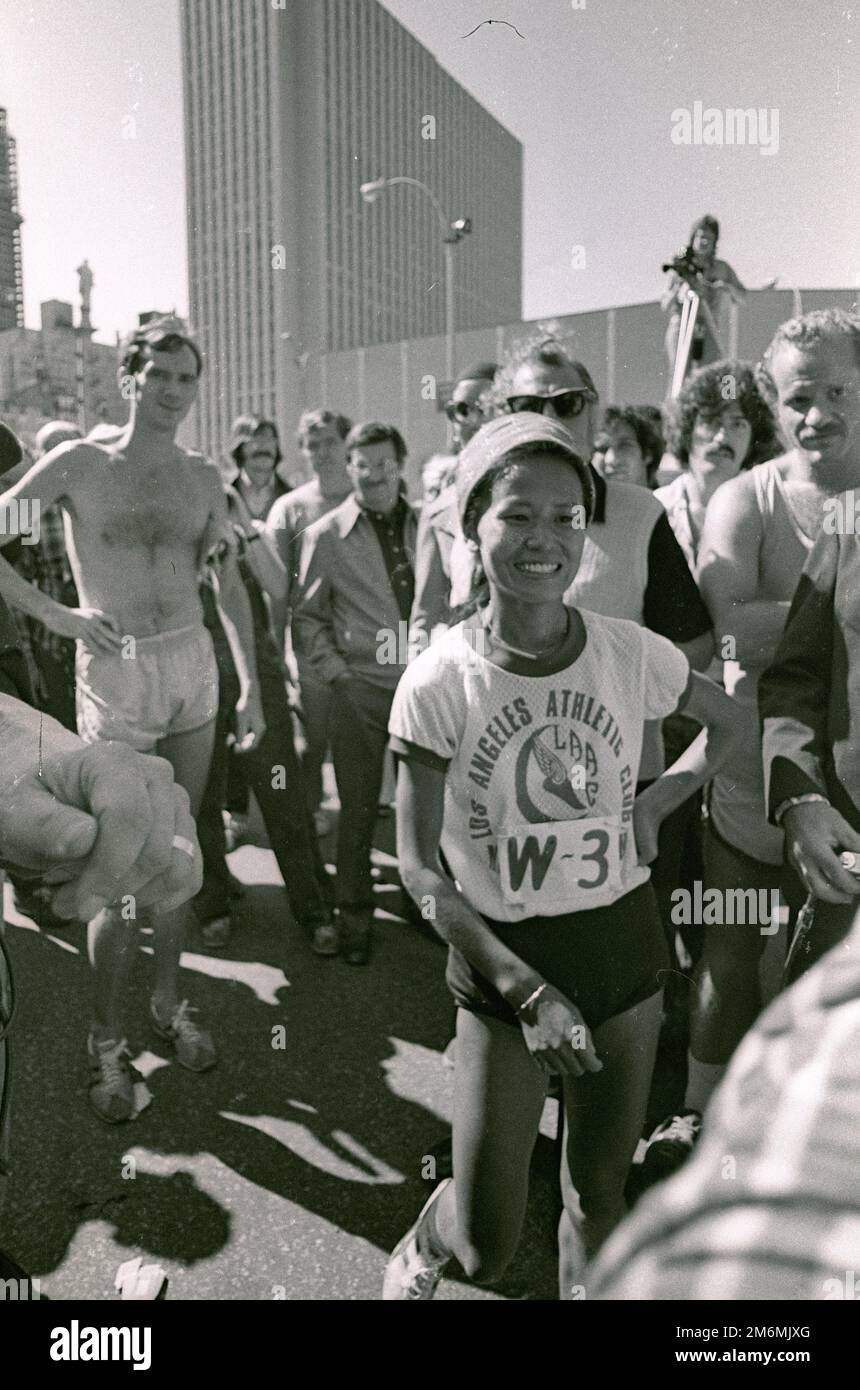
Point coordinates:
[[797, 801]]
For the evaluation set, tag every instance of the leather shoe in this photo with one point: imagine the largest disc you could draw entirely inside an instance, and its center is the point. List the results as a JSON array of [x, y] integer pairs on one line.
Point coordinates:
[[324, 939], [355, 940]]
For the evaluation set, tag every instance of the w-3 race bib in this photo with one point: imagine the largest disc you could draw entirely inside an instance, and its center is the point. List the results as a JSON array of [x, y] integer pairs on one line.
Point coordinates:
[[567, 865]]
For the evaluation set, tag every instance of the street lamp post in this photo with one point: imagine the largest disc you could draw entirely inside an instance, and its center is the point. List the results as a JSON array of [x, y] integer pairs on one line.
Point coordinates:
[[453, 231]]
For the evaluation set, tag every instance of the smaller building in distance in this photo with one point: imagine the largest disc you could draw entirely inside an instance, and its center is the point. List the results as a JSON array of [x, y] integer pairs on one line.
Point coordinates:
[[57, 372]]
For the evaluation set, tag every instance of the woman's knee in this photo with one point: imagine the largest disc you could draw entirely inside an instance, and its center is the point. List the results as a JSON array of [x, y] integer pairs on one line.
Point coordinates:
[[731, 955], [599, 1197]]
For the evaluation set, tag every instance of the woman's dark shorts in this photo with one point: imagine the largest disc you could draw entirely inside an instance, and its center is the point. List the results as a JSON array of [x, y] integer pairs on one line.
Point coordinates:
[[605, 960]]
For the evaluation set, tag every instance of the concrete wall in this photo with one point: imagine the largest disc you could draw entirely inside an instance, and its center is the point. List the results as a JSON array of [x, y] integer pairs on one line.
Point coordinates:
[[622, 348]]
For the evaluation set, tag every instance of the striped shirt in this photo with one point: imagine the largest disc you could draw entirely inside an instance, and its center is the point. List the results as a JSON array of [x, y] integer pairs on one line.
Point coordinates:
[[768, 1207]]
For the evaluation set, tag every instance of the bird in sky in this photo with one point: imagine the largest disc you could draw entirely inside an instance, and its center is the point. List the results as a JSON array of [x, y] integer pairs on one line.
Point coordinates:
[[492, 21]]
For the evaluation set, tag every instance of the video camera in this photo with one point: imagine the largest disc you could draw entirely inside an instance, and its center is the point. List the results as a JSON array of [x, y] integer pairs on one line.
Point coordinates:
[[686, 265]]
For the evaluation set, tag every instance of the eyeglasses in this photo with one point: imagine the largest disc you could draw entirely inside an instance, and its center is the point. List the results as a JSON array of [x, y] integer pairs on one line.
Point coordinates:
[[567, 404], [460, 410], [363, 470]]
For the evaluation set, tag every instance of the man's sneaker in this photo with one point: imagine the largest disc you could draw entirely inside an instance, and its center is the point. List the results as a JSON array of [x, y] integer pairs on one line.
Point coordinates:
[[669, 1146], [193, 1046], [413, 1272], [111, 1087]]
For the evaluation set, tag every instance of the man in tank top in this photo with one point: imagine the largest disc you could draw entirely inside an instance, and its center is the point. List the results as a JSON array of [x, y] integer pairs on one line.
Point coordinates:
[[759, 530]]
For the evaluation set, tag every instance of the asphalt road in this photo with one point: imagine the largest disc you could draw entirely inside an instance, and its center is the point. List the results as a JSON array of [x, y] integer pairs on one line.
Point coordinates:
[[289, 1171]]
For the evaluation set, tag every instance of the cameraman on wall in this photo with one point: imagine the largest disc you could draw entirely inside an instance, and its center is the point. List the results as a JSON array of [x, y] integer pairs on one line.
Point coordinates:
[[698, 268]]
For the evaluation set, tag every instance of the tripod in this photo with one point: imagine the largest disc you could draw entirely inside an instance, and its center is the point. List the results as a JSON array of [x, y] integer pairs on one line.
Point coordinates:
[[692, 305]]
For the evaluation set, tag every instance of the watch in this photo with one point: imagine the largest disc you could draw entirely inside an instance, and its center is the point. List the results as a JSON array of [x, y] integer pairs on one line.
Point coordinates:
[[790, 801]]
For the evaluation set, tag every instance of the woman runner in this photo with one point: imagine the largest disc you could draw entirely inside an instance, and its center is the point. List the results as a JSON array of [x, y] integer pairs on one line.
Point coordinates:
[[518, 735]]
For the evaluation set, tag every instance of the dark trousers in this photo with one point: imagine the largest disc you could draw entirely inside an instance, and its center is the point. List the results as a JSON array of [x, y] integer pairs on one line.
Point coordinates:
[[275, 778], [58, 684], [359, 736], [315, 712]]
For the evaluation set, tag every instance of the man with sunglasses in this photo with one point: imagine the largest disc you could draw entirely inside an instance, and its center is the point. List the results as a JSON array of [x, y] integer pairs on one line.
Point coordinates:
[[632, 566], [464, 408], [438, 526]]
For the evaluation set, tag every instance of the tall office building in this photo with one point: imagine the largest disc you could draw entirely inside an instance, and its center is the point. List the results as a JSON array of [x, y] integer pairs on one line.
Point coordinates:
[[11, 275], [287, 111]]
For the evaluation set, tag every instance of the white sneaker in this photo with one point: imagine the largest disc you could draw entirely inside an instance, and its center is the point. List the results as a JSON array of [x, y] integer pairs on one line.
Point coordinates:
[[193, 1046], [412, 1272], [111, 1088]]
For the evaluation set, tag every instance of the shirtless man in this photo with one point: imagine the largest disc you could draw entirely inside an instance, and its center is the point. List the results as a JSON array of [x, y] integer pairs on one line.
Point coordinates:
[[758, 531], [142, 516]]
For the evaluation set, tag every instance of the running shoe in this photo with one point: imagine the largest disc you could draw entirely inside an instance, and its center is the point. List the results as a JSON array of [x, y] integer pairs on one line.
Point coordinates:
[[412, 1272], [111, 1087], [193, 1046], [670, 1146]]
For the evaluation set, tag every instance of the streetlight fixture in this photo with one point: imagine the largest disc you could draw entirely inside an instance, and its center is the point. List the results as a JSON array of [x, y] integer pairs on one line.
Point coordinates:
[[453, 231]]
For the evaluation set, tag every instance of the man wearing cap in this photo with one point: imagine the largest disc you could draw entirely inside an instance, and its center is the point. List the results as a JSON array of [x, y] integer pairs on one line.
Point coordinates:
[[353, 599], [143, 517], [438, 528], [321, 436]]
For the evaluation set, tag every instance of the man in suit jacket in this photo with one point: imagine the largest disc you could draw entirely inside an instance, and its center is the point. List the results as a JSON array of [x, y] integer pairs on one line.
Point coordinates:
[[355, 589], [809, 701]]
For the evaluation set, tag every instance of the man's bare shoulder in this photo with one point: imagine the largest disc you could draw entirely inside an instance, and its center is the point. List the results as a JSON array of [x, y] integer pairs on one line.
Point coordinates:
[[77, 453], [740, 495], [203, 470], [74, 463], [201, 464]]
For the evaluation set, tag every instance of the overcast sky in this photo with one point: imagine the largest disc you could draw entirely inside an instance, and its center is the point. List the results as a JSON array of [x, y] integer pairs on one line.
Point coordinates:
[[589, 91]]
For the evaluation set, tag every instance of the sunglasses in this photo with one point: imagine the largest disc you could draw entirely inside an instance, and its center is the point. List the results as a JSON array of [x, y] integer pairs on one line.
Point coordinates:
[[566, 404], [460, 410]]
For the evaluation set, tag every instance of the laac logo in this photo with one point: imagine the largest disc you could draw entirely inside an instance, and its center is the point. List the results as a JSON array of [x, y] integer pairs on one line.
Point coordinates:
[[556, 775]]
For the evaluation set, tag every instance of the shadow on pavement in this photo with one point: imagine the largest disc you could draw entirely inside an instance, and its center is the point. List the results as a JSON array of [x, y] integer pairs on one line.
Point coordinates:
[[327, 1096]]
